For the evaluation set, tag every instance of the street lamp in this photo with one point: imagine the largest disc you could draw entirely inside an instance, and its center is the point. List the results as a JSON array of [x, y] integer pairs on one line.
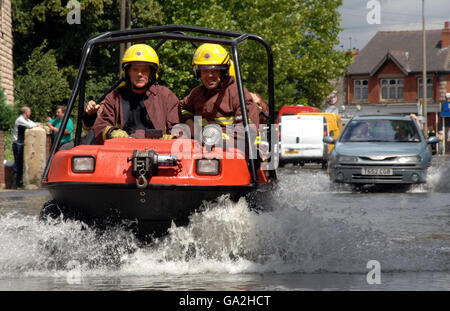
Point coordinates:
[[424, 73], [125, 23]]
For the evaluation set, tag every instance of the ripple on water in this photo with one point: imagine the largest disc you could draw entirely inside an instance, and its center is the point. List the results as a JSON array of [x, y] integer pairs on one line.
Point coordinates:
[[227, 237]]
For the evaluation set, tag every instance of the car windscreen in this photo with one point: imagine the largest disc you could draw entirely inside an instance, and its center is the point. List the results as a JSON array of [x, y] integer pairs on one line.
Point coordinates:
[[379, 130]]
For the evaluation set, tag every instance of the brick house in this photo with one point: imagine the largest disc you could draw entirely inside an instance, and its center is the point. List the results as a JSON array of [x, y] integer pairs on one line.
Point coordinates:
[[386, 76], [6, 70], [6, 51]]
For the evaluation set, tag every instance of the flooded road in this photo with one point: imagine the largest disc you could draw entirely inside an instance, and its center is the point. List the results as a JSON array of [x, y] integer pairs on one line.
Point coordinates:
[[311, 237]]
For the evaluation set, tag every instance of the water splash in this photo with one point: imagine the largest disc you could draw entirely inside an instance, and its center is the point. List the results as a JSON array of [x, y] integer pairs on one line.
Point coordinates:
[[438, 176], [27, 245], [296, 234], [227, 237]]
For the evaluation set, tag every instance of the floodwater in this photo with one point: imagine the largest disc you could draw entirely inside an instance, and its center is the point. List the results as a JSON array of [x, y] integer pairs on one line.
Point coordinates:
[[310, 237]]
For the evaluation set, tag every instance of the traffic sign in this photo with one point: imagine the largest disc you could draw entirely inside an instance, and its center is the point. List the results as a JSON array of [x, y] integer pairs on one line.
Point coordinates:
[[333, 98], [445, 109]]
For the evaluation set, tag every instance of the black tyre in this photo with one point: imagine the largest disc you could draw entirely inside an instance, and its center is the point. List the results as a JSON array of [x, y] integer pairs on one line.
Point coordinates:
[[52, 210]]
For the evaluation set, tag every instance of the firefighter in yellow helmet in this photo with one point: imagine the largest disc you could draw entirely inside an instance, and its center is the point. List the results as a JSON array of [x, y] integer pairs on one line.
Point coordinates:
[[216, 100], [141, 104]]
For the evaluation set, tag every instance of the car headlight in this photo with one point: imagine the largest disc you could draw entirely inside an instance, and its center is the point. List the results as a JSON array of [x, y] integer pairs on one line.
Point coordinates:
[[212, 135], [409, 159], [83, 164], [347, 159], [208, 167]]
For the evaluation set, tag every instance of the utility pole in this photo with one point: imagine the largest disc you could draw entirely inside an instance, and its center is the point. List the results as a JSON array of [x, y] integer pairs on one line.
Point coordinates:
[[125, 23], [424, 74]]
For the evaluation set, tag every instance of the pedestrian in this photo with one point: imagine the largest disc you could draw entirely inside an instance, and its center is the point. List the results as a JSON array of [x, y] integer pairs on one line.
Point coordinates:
[[441, 142], [54, 125], [141, 104], [216, 100], [22, 123], [432, 132], [448, 139], [415, 118]]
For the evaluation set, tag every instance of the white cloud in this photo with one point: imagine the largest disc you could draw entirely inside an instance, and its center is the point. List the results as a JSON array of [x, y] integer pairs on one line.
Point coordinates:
[[395, 15]]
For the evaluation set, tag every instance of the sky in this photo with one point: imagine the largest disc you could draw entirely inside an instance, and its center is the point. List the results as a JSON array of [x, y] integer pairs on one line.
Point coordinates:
[[393, 15]]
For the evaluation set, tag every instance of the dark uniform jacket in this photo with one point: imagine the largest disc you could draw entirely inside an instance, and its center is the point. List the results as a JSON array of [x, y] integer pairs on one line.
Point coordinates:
[[220, 106], [161, 105]]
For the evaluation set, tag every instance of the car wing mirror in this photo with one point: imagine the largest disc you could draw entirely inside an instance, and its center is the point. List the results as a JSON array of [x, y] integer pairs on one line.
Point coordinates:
[[432, 140], [329, 140]]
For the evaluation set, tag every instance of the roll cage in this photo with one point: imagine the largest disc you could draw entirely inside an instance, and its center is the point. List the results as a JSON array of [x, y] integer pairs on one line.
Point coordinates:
[[164, 33]]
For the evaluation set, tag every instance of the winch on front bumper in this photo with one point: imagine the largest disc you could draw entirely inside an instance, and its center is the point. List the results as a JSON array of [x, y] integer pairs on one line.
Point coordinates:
[[145, 164]]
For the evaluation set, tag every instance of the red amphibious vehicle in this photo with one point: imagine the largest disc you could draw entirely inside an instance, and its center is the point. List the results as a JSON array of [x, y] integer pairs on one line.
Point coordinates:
[[153, 182]]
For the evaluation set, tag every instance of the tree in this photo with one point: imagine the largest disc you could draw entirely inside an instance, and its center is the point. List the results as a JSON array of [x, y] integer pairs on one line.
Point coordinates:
[[6, 113], [302, 35], [40, 84], [45, 20]]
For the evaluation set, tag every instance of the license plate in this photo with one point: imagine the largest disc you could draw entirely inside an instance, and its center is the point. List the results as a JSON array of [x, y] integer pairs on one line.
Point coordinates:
[[290, 152], [376, 171]]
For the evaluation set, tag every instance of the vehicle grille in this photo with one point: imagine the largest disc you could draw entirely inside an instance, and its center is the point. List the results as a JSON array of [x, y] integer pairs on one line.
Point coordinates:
[[378, 163], [377, 177]]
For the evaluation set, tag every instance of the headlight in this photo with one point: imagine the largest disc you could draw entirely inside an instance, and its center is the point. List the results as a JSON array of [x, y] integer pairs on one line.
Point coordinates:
[[409, 159], [208, 166], [83, 164], [212, 135], [347, 159]]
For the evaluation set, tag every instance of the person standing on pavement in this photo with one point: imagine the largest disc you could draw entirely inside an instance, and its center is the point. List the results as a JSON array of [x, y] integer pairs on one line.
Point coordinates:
[[66, 141], [22, 123]]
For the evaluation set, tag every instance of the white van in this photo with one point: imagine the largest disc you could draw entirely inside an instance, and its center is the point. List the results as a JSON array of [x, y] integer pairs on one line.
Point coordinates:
[[301, 139]]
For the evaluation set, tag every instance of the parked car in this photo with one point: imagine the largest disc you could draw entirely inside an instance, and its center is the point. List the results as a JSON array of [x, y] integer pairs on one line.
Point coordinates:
[[378, 149], [301, 139]]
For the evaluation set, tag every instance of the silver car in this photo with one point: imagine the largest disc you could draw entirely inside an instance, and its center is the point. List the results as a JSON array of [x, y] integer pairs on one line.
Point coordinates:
[[380, 150]]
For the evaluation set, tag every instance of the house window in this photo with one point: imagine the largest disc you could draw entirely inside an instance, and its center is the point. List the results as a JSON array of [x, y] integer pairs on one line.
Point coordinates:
[[361, 89], [391, 89], [429, 88]]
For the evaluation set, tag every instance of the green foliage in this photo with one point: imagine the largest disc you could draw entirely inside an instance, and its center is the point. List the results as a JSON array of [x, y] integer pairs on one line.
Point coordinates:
[[40, 84], [40, 21], [6, 113], [7, 116], [8, 140], [293, 28], [36, 21], [302, 35]]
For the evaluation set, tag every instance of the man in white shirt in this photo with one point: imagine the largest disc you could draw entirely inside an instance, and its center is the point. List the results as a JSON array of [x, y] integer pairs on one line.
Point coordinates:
[[22, 123]]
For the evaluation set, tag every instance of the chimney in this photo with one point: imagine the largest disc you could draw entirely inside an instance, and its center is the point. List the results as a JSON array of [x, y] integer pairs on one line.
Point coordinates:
[[446, 35]]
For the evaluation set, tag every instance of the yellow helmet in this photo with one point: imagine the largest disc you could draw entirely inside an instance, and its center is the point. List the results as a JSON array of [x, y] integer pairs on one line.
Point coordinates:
[[141, 53], [210, 56], [232, 71]]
